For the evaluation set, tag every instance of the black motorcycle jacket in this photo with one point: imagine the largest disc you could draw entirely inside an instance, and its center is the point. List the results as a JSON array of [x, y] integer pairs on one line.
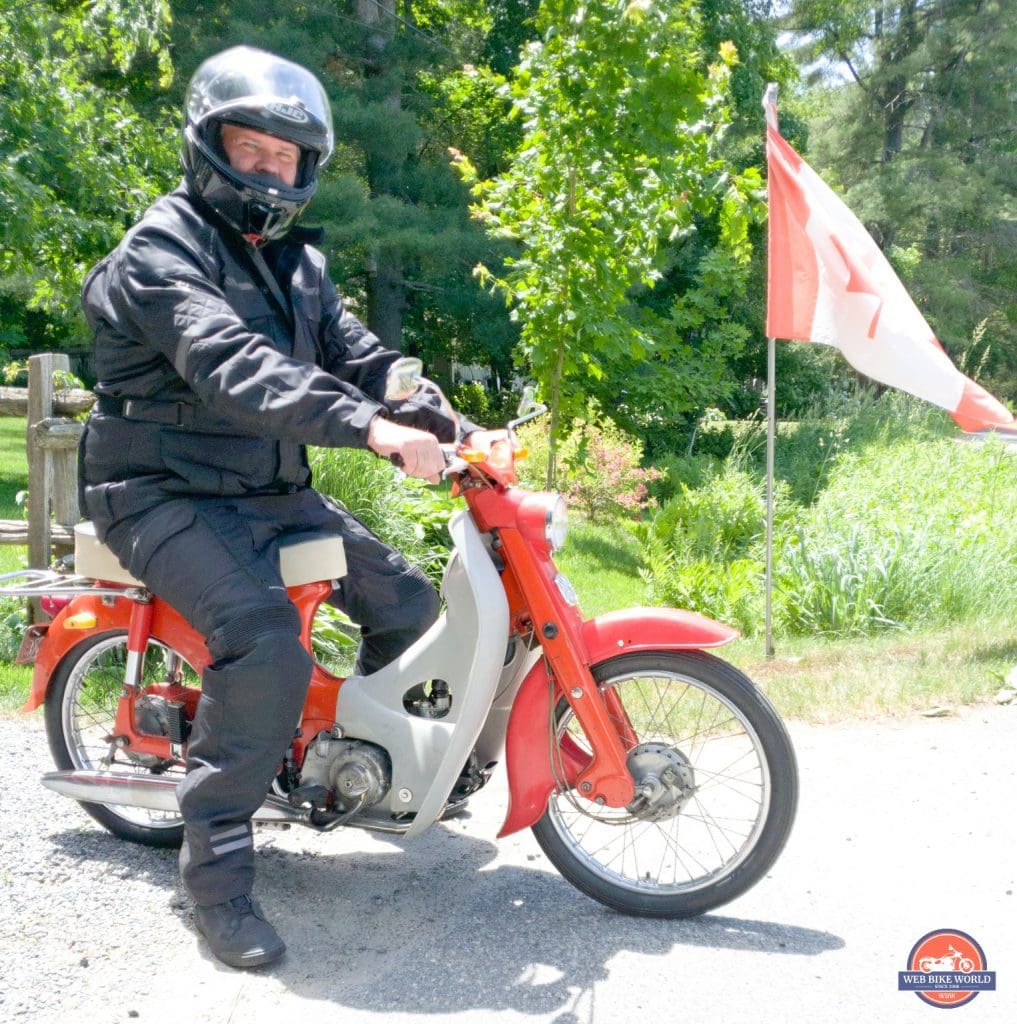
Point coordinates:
[[208, 385]]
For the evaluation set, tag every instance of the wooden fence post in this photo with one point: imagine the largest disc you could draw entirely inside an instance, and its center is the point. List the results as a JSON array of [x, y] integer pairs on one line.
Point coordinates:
[[40, 465], [51, 441]]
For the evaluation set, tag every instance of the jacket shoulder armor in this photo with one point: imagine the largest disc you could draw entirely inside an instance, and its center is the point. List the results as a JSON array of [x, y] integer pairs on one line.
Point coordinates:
[[175, 221]]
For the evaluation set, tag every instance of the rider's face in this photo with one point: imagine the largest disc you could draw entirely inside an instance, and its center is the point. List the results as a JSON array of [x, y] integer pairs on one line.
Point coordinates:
[[248, 150]]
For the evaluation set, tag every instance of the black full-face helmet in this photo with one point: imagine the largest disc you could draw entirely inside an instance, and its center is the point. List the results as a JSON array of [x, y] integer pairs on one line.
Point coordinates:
[[258, 90]]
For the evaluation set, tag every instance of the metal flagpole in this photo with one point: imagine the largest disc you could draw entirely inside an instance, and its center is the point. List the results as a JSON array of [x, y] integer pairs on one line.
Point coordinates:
[[770, 106], [771, 433]]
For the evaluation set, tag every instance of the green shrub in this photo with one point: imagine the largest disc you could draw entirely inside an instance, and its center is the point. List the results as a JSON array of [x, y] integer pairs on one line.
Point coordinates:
[[13, 623], [704, 549], [472, 400], [728, 591], [847, 585], [405, 513], [722, 519], [484, 406], [599, 467]]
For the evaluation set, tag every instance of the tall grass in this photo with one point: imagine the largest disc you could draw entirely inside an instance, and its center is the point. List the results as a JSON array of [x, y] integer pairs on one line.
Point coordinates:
[[894, 526], [407, 514], [912, 534]]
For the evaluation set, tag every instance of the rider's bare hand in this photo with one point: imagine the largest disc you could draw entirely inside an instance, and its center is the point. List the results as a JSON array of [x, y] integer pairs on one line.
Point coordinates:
[[419, 453]]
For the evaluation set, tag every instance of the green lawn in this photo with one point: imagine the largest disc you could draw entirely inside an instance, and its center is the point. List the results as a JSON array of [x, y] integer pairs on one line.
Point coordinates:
[[602, 562], [13, 478], [818, 680], [14, 679], [815, 680], [897, 674]]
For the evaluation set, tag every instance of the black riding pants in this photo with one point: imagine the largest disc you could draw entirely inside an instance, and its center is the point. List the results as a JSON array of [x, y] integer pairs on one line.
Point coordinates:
[[216, 561]]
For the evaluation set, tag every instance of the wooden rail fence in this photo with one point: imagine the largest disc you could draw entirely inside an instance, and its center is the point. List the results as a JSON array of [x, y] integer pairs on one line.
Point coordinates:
[[51, 442]]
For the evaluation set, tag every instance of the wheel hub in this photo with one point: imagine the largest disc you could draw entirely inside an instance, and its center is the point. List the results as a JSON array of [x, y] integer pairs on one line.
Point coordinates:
[[663, 780]]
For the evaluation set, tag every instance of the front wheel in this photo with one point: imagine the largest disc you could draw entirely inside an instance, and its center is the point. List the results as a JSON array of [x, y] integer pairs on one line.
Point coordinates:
[[716, 786], [81, 707]]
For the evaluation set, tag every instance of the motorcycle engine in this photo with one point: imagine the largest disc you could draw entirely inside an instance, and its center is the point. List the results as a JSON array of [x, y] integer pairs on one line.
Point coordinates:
[[355, 772]]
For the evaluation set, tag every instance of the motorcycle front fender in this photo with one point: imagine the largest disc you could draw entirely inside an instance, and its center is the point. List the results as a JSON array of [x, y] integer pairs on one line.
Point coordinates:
[[167, 625], [528, 764]]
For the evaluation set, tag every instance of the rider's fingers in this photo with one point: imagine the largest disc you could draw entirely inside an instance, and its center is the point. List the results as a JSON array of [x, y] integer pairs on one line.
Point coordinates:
[[423, 458]]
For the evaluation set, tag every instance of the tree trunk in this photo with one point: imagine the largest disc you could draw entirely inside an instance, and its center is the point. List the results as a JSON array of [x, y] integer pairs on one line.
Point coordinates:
[[386, 298], [386, 292], [555, 396], [895, 106]]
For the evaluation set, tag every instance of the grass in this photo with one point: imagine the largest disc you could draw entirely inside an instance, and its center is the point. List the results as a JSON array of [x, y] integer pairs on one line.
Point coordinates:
[[602, 563], [14, 679], [812, 679], [819, 679], [895, 675], [13, 478]]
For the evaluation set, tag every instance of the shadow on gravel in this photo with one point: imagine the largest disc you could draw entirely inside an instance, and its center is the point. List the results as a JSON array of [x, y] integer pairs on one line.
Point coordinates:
[[438, 926]]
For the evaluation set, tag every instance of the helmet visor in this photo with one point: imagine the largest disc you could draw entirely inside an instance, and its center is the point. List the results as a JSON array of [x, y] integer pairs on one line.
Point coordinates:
[[247, 86]]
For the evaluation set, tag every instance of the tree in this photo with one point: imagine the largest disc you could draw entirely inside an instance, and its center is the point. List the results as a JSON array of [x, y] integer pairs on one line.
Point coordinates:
[[922, 140], [78, 162], [620, 154], [399, 237]]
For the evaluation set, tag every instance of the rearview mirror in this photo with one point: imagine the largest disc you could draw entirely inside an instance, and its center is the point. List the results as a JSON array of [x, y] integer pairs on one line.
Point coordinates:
[[403, 379], [528, 402], [529, 408]]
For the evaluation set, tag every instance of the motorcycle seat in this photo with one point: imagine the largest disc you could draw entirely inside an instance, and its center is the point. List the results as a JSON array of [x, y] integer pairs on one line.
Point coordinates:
[[303, 558]]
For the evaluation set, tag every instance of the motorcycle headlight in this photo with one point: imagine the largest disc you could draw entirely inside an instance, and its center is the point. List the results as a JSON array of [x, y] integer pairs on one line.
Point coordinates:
[[556, 525]]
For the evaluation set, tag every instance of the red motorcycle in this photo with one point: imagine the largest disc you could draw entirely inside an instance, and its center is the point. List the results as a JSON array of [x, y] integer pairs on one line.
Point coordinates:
[[656, 777]]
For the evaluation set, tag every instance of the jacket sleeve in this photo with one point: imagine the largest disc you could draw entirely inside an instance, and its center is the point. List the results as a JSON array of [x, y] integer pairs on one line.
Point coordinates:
[[165, 295], [351, 352], [354, 354]]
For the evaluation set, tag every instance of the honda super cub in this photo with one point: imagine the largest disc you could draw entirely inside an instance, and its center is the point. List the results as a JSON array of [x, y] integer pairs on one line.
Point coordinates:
[[657, 778]]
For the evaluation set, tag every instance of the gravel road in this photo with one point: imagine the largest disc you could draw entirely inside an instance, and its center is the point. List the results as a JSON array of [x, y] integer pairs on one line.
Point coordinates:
[[903, 827]]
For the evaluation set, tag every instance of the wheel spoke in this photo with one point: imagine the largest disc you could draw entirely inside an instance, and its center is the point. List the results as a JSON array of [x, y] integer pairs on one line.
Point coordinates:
[[89, 709], [702, 780]]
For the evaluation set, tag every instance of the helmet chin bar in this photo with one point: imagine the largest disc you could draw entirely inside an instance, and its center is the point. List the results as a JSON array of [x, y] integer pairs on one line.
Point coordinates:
[[265, 222]]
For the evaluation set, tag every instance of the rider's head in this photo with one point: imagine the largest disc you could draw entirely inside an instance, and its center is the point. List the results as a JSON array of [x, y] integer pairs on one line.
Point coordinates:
[[256, 130]]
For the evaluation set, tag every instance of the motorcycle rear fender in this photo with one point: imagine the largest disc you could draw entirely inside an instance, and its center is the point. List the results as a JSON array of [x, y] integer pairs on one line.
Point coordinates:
[[167, 625], [527, 755]]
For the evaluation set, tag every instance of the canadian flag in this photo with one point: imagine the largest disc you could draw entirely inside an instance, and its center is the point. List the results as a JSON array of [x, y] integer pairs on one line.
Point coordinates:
[[828, 282]]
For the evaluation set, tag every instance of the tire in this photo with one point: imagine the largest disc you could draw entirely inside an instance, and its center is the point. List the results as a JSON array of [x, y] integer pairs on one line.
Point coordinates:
[[723, 812], [81, 706]]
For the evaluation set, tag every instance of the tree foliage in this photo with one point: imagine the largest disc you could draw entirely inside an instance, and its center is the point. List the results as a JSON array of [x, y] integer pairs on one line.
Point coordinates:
[[406, 82], [615, 149], [619, 156], [923, 141], [78, 161]]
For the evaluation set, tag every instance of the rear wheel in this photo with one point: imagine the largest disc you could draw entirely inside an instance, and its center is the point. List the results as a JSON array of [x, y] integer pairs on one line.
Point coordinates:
[[81, 708], [716, 787]]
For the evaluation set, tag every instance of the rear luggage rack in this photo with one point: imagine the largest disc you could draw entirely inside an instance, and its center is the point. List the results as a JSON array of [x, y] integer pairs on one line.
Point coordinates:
[[50, 583]]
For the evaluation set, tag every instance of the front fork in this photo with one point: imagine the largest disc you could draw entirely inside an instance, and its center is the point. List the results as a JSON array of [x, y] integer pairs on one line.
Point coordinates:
[[605, 778]]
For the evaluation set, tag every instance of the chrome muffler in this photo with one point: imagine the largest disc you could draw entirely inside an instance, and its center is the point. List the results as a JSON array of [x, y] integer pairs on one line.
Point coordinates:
[[153, 794]]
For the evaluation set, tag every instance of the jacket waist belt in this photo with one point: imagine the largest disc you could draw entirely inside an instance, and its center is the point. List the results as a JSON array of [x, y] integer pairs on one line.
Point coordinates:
[[171, 414]]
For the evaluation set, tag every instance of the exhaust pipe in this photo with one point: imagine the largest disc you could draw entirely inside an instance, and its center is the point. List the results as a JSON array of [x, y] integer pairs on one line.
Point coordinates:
[[151, 793]]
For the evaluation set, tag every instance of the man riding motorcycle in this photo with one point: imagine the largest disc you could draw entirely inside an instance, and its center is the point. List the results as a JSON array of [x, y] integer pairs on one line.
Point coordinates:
[[221, 349]]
